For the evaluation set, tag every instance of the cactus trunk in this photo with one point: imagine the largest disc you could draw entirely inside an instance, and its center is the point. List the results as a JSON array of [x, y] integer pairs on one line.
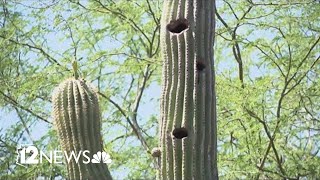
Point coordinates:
[[188, 102], [77, 118]]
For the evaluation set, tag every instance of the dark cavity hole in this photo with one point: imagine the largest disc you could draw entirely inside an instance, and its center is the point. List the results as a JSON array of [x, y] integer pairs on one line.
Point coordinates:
[[177, 26], [180, 133], [200, 66]]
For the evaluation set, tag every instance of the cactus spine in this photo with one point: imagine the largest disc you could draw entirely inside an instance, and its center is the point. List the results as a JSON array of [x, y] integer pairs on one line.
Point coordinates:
[[77, 118], [188, 102]]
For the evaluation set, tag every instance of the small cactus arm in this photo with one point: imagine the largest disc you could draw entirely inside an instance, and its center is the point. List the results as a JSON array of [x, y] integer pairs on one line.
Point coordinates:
[[188, 132], [77, 118]]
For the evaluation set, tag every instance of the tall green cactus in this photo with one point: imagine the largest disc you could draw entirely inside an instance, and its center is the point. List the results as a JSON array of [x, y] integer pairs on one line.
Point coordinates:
[[188, 102], [77, 118]]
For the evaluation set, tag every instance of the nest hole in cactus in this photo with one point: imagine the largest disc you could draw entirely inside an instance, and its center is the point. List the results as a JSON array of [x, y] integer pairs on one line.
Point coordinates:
[[180, 133], [200, 65], [177, 26]]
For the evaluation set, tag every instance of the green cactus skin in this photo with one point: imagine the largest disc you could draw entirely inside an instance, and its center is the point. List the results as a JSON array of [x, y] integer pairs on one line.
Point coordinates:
[[77, 118], [188, 101]]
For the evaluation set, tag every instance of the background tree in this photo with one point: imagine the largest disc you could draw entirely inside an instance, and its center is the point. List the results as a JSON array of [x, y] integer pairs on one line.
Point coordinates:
[[267, 62], [268, 101]]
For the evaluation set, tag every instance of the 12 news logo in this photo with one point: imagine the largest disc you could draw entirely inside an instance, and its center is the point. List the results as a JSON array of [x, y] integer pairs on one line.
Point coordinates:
[[31, 155]]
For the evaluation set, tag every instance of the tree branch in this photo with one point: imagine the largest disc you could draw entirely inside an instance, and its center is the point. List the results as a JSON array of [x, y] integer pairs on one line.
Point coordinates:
[[16, 104]]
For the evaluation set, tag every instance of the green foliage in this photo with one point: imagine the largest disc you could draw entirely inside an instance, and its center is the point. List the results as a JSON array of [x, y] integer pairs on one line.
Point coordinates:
[[268, 130]]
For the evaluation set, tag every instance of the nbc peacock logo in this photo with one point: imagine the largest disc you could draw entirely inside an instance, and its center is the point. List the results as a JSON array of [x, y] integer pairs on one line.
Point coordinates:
[[101, 157]]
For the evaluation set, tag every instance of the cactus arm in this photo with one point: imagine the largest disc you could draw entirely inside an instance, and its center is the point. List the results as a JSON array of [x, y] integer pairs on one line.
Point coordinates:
[[76, 115]]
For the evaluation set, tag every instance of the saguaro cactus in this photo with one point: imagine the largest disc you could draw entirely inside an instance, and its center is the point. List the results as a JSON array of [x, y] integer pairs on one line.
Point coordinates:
[[77, 118], [188, 113]]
